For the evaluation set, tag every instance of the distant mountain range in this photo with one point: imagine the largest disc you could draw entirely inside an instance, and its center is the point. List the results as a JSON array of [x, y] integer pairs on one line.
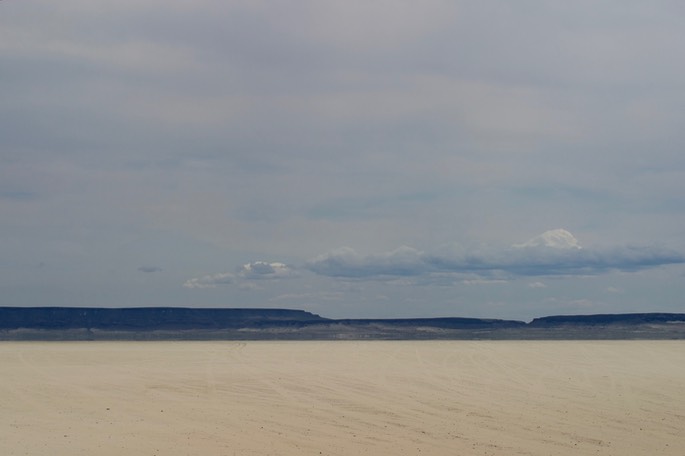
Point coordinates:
[[165, 323]]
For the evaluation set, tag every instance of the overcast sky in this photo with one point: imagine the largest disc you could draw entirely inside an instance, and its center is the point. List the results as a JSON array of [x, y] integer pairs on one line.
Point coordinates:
[[350, 158]]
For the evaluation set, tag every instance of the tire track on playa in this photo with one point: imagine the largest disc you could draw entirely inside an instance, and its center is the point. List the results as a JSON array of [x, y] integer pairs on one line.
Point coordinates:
[[42, 377], [48, 392], [534, 385], [400, 405], [485, 376], [462, 416], [388, 398], [326, 406], [586, 394], [219, 354], [16, 389], [266, 401]]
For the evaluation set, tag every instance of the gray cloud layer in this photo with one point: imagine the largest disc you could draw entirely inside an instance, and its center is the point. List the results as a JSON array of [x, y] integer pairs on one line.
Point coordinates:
[[184, 134], [554, 253], [523, 261]]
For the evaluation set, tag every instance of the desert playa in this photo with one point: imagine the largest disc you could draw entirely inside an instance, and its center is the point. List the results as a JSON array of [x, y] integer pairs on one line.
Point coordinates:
[[343, 398]]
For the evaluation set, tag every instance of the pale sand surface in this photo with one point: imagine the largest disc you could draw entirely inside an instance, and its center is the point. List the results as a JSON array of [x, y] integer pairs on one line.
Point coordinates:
[[343, 398]]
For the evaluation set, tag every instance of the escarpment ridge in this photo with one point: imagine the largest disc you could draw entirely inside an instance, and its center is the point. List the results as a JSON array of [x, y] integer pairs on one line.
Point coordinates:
[[67, 323]]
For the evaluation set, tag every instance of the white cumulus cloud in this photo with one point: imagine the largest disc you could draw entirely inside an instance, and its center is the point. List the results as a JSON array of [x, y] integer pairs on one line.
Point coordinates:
[[210, 281], [257, 270], [266, 270], [558, 239]]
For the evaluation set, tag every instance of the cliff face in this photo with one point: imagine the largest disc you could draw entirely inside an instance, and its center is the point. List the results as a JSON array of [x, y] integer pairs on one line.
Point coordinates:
[[171, 323], [172, 318], [444, 323], [607, 319], [147, 318]]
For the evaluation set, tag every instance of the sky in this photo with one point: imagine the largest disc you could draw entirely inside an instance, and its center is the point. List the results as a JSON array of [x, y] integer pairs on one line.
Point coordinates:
[[358, 159]]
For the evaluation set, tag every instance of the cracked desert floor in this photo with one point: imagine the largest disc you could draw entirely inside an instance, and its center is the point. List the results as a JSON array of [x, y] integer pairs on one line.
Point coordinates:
[[343, 398]]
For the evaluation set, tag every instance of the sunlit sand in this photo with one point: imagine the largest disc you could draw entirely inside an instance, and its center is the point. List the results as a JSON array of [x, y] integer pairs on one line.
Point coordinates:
[[343, 398]]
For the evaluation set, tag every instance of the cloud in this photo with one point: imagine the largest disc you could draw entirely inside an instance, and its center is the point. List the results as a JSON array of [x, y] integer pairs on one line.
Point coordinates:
[[263, 270], [257, 270], [345, 262], [187, 133], [555, 252], [483, 281], [537, 285], [314, 296], [558, 239], [149, 269], [210, 281]]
